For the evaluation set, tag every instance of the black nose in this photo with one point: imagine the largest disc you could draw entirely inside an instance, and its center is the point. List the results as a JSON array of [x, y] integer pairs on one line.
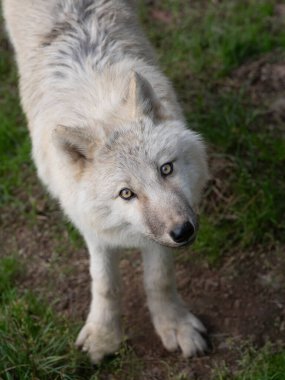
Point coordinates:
[[183, 232]]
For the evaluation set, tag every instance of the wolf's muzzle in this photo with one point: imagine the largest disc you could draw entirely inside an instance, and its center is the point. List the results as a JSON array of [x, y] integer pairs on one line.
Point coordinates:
[[183, 233]]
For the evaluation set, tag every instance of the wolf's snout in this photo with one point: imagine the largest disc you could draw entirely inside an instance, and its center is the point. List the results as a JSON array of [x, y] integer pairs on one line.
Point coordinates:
[[182, 233]]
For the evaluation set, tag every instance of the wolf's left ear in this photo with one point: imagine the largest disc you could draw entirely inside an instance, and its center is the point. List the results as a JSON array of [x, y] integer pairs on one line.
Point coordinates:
[[141, 99], [76, 143]]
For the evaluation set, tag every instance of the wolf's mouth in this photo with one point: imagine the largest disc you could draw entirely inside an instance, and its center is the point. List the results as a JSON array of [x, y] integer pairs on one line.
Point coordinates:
[[188, 242], [176, 245]]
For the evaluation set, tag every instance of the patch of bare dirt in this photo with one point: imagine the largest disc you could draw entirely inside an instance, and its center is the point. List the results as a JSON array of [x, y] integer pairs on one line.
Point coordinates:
[[242, 299], [264, 82], [233, 300]]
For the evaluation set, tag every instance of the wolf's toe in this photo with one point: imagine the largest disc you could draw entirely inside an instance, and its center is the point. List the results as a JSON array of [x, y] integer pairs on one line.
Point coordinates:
[[169, 340], [191, 341], [98, 341]]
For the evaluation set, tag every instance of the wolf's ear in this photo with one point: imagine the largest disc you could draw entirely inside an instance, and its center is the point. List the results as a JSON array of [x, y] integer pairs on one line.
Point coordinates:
[[76, 143], [140, 98]]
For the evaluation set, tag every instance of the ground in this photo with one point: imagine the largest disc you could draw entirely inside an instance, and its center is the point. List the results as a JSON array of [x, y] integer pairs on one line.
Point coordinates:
[[227, 62]]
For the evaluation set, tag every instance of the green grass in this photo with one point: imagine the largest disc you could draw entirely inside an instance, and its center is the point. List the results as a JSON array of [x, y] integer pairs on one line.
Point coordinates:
[[254, 214], [232, 33], [14, 141], [35, 343], [216, 38], [38, 344], [265, 364]]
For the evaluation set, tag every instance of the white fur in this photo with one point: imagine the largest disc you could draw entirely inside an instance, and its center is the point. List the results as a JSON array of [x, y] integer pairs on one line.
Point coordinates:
[[92, 93]]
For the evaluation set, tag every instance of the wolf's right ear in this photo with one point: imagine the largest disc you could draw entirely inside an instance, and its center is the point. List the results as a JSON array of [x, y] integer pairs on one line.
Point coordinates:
[[76, 143], [141, 99]]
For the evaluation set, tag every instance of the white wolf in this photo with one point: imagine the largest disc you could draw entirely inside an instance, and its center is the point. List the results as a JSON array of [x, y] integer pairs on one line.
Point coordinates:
[[110, 143]]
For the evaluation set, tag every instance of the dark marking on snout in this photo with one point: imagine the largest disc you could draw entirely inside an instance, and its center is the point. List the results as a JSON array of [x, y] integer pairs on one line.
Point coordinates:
[[156, 226], [184, 209]]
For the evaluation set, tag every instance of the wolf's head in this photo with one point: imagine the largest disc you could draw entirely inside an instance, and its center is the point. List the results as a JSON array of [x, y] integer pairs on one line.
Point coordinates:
[[143, 177]]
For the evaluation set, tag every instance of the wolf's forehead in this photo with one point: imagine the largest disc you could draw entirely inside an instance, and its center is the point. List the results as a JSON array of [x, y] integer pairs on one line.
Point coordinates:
[[143, 144], [143, 154], [136, 171], [135, 157]]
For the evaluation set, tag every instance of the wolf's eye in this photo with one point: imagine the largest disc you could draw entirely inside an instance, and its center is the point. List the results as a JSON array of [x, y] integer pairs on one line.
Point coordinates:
[[166, 169], [126, 194]]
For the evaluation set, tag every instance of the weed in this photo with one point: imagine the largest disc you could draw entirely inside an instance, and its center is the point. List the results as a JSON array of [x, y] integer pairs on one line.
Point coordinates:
[[265, 364]]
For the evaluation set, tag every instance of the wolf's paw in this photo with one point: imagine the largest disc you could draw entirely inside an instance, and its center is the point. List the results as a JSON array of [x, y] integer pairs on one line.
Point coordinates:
[[98, 341], [182, 330]]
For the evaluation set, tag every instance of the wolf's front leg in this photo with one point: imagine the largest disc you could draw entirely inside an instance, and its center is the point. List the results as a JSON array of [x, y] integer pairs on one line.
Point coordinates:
[[102, 333], [175, 325]]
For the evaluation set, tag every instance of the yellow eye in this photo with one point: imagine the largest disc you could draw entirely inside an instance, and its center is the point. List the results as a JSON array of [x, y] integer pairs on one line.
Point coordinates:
[[126, 194], [166, 169]]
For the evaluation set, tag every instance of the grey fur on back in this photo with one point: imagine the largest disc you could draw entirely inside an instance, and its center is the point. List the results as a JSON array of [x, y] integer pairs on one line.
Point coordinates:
[[98, 31]]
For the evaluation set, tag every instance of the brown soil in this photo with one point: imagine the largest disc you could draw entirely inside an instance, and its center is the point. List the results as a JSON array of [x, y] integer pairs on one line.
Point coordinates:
[[264, 80]]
